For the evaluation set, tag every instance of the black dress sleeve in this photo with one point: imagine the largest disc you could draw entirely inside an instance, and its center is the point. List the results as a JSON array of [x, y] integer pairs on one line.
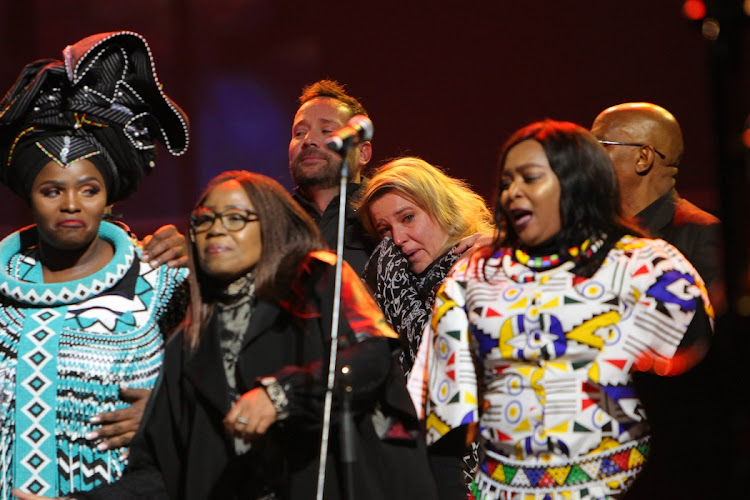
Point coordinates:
[[365, 341]]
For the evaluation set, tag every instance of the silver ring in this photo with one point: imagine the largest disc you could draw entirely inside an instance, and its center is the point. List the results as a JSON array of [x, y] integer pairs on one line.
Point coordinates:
[[242, 420]]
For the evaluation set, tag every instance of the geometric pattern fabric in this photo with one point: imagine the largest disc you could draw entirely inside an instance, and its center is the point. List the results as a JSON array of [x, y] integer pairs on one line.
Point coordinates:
[[562, 480], [555, 352], [36, 374], [64, 356]]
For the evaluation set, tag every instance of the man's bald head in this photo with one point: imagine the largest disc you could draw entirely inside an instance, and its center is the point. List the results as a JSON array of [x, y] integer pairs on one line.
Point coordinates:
[[647, 123], [650, 132]]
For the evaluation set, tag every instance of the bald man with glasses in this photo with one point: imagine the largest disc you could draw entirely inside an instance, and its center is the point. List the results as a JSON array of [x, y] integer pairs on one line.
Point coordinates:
[[645, 144]]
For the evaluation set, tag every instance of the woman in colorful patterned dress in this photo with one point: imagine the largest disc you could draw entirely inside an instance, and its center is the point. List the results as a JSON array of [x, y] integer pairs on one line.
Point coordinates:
[[537, 337], [82, 318]]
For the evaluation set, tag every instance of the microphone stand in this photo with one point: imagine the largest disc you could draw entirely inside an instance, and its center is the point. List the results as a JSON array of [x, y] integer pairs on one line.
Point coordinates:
[[347, 422]]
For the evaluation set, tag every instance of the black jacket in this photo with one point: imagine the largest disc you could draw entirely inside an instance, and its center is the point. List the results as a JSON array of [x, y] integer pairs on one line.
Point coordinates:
[[679, 408], [694, 232], [358, 245], [183, 452]]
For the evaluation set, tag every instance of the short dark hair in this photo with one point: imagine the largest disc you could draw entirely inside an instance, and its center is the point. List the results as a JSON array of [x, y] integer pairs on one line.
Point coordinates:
[[333, 90], [288, 234], [589, 196]]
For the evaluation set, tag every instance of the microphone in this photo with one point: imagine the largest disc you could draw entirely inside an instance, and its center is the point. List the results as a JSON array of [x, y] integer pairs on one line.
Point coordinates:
[[358, 129]]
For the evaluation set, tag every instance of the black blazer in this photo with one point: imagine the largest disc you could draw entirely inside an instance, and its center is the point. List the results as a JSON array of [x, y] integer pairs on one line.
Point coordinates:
[[183, 452]]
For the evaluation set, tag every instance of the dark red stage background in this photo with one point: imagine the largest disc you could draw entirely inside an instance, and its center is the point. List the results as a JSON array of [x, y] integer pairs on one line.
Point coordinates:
[[447, 81]]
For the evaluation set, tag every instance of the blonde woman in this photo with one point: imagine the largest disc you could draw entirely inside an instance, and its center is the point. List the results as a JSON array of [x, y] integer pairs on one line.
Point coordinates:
[[425, 220]]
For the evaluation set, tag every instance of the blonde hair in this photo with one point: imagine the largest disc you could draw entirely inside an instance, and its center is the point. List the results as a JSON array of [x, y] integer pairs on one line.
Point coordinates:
[[458, 210]]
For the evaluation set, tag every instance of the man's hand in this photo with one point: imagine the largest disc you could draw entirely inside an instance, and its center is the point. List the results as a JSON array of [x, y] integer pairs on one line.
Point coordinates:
[[166, 245], [119, 426]]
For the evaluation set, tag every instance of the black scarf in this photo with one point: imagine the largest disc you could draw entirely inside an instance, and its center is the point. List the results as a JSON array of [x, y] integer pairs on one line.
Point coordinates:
[[406, 298]]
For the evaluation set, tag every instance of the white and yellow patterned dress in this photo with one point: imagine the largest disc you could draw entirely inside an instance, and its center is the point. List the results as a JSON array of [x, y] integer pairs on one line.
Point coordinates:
[[558, 413]]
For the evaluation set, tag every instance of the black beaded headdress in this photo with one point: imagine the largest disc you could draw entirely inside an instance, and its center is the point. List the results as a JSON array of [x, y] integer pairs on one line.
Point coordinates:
[[104, 103]]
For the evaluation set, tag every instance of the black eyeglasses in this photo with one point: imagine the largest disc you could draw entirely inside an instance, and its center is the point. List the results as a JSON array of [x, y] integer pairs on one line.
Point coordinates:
[[202, 219], [614, 143]]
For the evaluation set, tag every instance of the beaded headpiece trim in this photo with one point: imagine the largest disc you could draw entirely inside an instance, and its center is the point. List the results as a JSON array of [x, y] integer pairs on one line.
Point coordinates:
[[104, 103]]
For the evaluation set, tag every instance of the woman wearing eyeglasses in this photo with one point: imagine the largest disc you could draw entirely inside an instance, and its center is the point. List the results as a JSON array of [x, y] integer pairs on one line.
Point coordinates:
[[238, 411]]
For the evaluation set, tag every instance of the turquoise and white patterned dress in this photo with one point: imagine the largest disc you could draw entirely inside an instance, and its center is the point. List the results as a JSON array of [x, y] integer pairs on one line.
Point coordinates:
[[544, 362], [65, 349]]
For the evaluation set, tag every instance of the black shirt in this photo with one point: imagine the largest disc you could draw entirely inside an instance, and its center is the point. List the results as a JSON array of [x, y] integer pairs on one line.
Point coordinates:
[[694, 232], [357, 243]]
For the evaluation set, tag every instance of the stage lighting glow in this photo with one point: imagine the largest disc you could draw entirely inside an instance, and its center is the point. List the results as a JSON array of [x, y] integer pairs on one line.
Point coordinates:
[[710, 29], [694, 9]]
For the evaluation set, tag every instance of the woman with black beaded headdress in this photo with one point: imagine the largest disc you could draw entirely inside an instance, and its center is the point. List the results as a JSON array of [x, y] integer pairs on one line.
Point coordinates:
[[81, 316]]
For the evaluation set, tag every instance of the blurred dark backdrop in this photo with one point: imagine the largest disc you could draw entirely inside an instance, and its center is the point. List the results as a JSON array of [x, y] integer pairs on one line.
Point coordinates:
[[448, 81]]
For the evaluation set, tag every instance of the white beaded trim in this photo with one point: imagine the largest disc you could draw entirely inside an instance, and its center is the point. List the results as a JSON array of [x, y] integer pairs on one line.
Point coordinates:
[[74, 76], [62, 162]]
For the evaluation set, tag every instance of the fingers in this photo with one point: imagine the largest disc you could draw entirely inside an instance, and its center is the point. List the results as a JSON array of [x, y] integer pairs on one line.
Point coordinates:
[[471, 244], [248, 428], [461, 247], [263, 425], [121, 440], [484, 240], [114, 435], [137, 398], [111, 416], [20, 495], [110, 430], [145, 241], [467, 243], [251, 416], [166, 245], [231, 424], [163, 253], [134, 395], [119, 426], [181, 261]]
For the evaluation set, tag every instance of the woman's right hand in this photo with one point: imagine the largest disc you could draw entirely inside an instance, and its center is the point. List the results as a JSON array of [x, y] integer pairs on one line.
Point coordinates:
[[251, 415]]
